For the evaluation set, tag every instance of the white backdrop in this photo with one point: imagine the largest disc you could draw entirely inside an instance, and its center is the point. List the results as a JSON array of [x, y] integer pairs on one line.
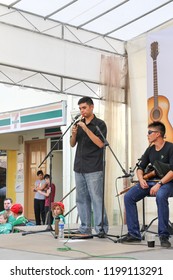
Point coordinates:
[[164, 66]]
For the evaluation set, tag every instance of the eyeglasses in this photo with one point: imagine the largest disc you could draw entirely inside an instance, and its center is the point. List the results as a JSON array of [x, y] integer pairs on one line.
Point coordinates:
[[152, 131]]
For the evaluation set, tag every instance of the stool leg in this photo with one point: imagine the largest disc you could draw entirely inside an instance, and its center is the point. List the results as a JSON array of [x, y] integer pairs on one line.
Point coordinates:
[[170, 228], [144, 226]]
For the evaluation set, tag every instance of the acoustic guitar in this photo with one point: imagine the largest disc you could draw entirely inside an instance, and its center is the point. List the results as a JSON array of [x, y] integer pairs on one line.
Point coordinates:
[[158, 105]]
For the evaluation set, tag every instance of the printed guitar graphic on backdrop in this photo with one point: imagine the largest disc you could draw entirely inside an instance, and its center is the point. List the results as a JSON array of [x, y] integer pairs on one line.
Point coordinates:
[[158, 105]]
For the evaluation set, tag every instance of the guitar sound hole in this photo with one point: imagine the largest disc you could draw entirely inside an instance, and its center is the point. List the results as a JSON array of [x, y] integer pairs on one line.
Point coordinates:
[[156, 114]]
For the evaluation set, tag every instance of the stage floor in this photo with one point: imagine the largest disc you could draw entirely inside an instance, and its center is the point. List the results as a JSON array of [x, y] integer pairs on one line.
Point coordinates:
[[44, 246]]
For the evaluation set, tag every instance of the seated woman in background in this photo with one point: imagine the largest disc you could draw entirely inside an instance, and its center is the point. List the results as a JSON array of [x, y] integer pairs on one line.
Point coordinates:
[[5, 227], [58, 211]]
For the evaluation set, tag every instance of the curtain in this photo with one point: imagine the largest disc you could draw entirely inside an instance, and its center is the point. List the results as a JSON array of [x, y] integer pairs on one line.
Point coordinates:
[[113, 77]]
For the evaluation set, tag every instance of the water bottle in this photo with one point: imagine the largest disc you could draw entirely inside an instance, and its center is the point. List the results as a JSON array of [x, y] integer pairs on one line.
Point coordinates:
[[61, 228]]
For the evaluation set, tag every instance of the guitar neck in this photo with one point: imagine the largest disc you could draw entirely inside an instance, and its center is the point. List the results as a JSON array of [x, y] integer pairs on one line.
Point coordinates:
[[155, 84]]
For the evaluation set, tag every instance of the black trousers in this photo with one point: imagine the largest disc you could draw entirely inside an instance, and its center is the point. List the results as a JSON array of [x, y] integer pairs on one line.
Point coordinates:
[[39, 211]]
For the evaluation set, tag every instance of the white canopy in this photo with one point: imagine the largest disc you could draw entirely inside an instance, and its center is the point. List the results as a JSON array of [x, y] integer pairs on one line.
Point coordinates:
[[119, 19], [56, 46]]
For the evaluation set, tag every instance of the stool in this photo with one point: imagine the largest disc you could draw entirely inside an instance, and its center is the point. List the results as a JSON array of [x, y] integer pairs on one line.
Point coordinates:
[[145, 228]]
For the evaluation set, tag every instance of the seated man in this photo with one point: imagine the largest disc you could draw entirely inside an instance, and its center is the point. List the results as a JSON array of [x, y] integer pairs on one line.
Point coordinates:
[[7, 209], [162, 151]]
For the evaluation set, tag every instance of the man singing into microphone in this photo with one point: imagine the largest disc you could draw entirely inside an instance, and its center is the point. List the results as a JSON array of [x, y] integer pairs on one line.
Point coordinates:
[[88, 167], [161, 151]]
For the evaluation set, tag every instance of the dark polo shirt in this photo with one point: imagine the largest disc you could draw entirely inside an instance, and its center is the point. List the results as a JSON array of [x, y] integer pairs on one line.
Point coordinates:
[[89, 157], [165, 155]]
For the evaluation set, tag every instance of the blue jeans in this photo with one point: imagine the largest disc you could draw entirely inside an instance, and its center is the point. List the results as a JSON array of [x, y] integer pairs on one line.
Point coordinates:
[[135, 194], [89, 191]]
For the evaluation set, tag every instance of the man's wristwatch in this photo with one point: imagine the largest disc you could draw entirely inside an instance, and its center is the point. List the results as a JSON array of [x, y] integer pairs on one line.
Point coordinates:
[[160, 183]]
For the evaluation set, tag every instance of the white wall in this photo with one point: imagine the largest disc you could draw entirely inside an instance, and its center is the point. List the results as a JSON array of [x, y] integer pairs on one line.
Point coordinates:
[[9, 141], [137, 54]]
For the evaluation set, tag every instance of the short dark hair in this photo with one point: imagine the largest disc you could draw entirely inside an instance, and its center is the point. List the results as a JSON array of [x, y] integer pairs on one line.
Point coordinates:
[[8, 198], [159, 126], [86, 99], [46, 176], [39, 172]]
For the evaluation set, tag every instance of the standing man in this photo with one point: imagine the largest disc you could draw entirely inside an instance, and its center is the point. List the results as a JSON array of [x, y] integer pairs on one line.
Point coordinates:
[[49, 194], [162, 151], [39, 199], [88, 167]]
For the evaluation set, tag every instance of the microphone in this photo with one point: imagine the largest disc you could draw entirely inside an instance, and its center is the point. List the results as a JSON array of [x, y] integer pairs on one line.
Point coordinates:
[[77, 119], [125, 176], [77, 116]]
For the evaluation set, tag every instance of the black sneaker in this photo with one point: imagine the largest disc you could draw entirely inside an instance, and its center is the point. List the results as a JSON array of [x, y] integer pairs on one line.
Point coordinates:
[[129, 238], [164, 242], [78, 232], [75, 232]]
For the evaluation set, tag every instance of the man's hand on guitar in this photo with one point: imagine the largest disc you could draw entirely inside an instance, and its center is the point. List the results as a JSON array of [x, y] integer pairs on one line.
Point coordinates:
[[149, 175], [143, 183]]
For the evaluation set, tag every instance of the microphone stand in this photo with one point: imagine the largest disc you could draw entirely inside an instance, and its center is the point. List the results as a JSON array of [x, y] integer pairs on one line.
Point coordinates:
[[126, 175], [102, 234], [49, 226], [107, 144], [131, 174]]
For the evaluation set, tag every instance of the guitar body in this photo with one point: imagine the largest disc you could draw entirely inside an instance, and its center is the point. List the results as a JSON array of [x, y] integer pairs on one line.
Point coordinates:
[[160, 113]]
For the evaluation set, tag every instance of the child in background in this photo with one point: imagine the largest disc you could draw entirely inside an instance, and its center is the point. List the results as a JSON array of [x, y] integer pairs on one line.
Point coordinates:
[[5, 227], [17, 211], [58, 211]]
